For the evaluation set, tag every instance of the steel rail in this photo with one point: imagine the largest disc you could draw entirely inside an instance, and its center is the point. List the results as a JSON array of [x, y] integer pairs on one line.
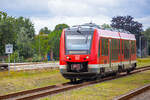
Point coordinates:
[[133, 93]]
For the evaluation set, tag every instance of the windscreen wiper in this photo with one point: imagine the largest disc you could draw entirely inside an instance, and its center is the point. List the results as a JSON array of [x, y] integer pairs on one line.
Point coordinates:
[[78, 30]]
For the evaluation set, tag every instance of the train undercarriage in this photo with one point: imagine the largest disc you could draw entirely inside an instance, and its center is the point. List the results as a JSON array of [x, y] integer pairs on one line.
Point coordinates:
[[80, 71]]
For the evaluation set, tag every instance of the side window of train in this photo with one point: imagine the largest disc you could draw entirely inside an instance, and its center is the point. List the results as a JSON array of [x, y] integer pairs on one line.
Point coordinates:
[[126, 49], [132, 47], [114, 49], [119, 47], [99, 49], [122, 46], [104, 47]]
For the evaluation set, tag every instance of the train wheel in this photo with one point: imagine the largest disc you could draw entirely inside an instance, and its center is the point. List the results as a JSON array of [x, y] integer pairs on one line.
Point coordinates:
[[73, 80], [128, 71], [119, 69]]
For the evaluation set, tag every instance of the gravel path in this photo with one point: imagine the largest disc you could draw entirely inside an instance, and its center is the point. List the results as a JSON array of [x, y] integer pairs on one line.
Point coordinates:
[[25, 66]]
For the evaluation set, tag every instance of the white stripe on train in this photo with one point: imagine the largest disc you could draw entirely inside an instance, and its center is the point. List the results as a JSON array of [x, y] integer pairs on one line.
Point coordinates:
[[101, 65]]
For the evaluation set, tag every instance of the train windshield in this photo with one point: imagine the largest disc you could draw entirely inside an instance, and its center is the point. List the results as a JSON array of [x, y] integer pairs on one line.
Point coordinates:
[[78, 43]]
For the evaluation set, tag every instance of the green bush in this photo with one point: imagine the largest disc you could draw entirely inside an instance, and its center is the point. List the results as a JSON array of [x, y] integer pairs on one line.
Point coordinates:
[[36, 58]]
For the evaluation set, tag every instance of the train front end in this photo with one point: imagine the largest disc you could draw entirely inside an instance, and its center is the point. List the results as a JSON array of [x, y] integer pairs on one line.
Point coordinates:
[[78, 53]]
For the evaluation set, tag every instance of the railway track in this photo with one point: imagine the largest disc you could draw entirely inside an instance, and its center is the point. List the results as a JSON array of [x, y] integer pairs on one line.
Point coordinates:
[[49, 90], [134, 93]]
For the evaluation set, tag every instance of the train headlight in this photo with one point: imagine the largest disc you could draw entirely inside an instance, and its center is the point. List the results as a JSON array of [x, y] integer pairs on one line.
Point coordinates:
[[87, 57], [67, 57]]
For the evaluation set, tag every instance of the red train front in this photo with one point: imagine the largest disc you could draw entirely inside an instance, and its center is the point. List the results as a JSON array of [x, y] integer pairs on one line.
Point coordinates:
[[80, 52]]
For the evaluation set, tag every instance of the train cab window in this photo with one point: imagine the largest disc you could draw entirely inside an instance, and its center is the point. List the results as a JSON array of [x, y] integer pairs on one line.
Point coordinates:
[[78, 43], [114, 49], [126, 49], [104, 47], [132, 47]]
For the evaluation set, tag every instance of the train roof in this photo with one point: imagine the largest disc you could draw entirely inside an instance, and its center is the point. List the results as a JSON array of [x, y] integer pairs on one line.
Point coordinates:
[[109, 33], [117, 35]]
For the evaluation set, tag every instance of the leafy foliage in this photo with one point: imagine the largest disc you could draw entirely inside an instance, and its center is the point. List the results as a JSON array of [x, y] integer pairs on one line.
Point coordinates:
[[46, 43], [54, 38], [147, 35], [21, 33], [127, 23], [7, 31], [60, 27], [44, 30], [17, 31], [41, 45], [106, 26]]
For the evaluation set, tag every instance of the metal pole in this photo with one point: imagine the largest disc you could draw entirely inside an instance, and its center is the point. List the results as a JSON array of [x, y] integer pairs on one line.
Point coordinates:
[[140, 51], [147, 48], [39, 47], [9, 64], [14, 63], [17, 60]]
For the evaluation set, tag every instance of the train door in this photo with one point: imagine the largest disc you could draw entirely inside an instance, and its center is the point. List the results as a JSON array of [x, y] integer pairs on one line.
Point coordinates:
[[120, 51], [114, 55], [126, 53], [104, 52]]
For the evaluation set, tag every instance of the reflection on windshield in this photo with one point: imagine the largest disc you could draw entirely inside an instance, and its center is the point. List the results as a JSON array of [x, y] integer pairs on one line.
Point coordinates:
[[78, 42]]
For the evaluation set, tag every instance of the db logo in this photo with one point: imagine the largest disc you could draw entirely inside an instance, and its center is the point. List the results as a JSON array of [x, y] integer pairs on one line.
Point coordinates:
[[77, 57]]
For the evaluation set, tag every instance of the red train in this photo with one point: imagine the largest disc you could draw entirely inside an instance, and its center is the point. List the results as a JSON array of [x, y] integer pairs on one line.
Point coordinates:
[[89, 52]]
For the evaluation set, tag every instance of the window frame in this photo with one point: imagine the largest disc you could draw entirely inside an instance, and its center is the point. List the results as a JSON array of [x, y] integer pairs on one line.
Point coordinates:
[[104, 47]]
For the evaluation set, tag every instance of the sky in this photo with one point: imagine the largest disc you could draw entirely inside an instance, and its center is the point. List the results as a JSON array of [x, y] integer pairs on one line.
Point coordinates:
[[49, 13]]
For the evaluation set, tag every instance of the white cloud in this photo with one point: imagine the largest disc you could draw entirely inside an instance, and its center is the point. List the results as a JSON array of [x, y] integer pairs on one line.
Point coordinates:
[[24, 4], [81, 7], [52, 22], [145, 21], [102, 3], [68, 8], [73, 12]]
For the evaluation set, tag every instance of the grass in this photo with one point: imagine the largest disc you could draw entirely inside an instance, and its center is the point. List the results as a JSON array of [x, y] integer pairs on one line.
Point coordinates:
[[106, 90], [24, 80], [143, 62]]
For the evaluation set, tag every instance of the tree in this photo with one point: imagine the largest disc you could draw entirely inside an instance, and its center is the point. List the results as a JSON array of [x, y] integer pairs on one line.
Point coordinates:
[[105, 26], [48, 43], [54, 37], [7, 31], [3, 15], [127, 23], [44, 30], [60, 27], [27, 24], [147, 35], [24, 43], [41, 46], [25, 36], [17, 31]]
